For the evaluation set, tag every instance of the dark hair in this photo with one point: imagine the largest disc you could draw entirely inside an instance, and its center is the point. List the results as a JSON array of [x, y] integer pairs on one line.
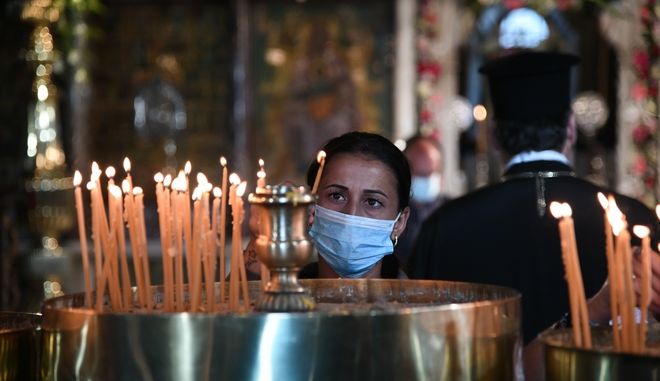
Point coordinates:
[[515, 137], [372, 145]]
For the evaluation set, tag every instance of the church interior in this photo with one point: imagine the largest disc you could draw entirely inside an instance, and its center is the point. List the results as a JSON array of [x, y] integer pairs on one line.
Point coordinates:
[[257, 86]]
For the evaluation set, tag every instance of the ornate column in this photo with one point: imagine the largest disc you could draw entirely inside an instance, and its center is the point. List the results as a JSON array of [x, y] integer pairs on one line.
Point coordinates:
[[443, 26], [637, 148]]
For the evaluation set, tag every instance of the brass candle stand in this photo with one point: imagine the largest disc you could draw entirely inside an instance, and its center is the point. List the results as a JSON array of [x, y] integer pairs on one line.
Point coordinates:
[[283, 245]]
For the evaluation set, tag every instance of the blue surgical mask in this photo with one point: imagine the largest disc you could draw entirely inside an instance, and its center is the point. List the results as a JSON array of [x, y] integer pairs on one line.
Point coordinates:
[[425, 189], [351, 245]]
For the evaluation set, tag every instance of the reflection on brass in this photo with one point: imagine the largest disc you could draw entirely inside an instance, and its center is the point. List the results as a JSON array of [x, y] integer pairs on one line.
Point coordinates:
[[18, 346], [283, 245], [564, 362], [361, 330]]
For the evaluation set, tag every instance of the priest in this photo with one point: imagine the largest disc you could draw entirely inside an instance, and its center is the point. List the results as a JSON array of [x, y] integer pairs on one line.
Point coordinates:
[[503, 234]]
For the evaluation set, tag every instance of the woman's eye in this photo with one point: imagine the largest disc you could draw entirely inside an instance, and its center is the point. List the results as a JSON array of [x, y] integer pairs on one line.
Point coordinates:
[[336, 196], [374, 203]]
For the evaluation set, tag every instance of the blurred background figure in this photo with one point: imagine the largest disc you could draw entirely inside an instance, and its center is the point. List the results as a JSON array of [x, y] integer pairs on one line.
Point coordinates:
[[424, 155]]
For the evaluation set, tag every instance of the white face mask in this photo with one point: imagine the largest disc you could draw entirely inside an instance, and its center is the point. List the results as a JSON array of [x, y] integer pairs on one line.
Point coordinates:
[[351, 245], [425, 188]]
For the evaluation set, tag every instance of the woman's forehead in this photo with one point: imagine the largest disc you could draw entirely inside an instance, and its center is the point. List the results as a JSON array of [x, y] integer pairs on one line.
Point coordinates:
[[359, 171]]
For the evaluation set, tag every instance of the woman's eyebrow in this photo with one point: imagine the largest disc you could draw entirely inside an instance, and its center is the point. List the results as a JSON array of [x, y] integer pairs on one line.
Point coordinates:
[[377, 191], [342, 187]]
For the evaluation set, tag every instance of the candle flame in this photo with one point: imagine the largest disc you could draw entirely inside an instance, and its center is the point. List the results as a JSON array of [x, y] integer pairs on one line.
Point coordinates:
[[320, 156], [234, 179], [197, 193], [208, 187], [641, 231], [241, 189], [115, 191], [110, 172], [91, 185], [77, 178], [126, 186], [217, 192], [261, 163], [567, 210], [201, 179], [556, 209], [657, 210], [137, 191], [187, 168], [179, 184], [261, 174], [95, 167], [158, 177], [602, 199], [94, 176], [223, 161], [127, 165]]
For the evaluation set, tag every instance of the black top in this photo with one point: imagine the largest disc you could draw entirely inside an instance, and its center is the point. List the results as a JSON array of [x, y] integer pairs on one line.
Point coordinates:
[[495, 236]]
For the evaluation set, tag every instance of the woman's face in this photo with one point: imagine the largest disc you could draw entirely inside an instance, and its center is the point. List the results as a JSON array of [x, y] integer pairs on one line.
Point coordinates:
[[362, 186]]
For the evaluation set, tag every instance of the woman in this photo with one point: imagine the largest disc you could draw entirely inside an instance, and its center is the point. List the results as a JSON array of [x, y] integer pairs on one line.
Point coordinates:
[[362, 208]]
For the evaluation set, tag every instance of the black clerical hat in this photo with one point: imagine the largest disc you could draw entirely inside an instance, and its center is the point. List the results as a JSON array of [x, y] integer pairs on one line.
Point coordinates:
[[530, 86]]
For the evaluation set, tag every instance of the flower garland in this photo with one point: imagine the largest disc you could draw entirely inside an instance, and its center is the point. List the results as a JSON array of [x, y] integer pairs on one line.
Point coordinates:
[[429, 67], [645, 93]]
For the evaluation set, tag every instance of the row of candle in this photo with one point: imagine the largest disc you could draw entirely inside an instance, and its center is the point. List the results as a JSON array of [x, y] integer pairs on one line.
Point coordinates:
[[627, 334], [198, 239]]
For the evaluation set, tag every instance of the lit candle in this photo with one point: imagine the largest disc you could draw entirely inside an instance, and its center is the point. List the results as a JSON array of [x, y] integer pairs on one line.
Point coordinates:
[[222, 228], [187, 222], [169, 250], [127, 169], [611, 271], [623, 258], [643, 233], [127, 292], [320, 157], [96, 237], [579, 315], [77, 179], [114, 198], [133, 233], [240, 190], [194, 284], [179, 188], [261, 175], [162, 225], [234, 273]]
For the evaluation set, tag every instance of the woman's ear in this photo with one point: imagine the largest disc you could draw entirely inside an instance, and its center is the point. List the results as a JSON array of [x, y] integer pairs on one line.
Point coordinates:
[[310, 217], [400, 224]]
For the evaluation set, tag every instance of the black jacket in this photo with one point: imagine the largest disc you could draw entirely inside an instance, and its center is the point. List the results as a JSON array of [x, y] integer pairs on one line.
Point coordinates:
[[495, 236]]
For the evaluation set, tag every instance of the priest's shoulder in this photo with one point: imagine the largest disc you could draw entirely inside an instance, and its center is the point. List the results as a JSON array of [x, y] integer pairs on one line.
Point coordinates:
[[473, 200]]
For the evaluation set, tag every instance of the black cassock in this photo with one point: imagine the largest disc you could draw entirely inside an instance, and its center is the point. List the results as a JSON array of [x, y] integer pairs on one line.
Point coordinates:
[[504, 235]]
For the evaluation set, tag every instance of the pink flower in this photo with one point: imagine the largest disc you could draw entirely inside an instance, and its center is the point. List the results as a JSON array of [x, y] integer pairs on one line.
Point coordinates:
[[432, 70], [425, 116], [642, 62], [650, 182], [639, 167], [638, 91], [640, 134]]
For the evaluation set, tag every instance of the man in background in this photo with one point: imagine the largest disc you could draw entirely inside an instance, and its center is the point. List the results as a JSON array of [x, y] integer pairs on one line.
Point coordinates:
[[503, 234], [425, 159]]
